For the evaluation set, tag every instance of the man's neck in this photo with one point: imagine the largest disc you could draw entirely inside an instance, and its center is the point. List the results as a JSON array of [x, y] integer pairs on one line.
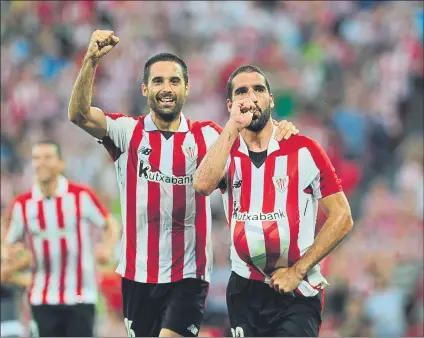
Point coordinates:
[[258, 141], [165, 125], [49, 188]]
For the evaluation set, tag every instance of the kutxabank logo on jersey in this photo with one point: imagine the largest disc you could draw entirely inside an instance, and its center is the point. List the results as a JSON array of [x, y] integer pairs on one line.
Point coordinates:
[[245, 216], [145, 171]]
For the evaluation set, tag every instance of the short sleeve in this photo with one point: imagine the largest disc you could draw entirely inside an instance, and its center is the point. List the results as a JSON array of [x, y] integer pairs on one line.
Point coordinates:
[[320, 174], [120, 129], [15, 223], [211, 133], [95, 211]]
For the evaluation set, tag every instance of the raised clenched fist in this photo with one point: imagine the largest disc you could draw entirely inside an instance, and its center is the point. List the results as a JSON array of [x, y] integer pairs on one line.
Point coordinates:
[[242, 112], [101, 43]]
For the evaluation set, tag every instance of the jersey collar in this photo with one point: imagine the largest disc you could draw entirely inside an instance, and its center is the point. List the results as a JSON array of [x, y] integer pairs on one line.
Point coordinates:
[[62, 189], [273, 145], [149, 125]]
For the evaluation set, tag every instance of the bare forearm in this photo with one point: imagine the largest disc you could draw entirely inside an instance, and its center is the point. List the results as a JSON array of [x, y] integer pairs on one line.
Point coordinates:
[[80, 103], [21, 279], [334, 230], [210, 171], [112, 232]]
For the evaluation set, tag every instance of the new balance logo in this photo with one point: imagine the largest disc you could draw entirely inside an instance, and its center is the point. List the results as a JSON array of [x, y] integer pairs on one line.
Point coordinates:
[[237, 184], [145, 150], [193, 329]]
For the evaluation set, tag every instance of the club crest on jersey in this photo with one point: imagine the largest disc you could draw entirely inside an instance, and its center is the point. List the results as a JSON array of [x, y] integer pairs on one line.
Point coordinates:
[[190, 151], [281, 182]]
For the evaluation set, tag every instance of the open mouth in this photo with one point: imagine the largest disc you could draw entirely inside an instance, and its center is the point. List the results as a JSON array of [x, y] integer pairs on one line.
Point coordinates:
[[167, 101]]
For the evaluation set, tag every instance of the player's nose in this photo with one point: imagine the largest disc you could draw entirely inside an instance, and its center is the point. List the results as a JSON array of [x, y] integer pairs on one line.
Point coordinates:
[[253, 96]]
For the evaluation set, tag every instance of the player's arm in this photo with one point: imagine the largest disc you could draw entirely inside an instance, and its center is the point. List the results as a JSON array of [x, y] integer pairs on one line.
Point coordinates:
[[337, 226], [211, 170], [112, 232], [15, 258], [80, 112], [327, 189], [102, 219], [14, 255], [22, 279]]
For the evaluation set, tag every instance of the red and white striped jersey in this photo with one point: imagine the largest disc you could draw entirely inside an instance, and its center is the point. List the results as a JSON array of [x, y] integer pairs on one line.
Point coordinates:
[[58, 231], [167, 225], [272, 209]]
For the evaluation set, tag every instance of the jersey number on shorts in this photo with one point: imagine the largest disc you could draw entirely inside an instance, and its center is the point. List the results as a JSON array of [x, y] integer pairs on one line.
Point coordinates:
[[238, 332], [128, 323]]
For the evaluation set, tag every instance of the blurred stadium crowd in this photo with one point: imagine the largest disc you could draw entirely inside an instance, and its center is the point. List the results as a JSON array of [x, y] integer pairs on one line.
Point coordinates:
[[347, 73]]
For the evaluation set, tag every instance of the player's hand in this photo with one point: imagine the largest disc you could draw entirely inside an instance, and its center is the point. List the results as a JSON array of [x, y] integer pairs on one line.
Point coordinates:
[[103, 254], [4, 273], [101, 43], [242, 113], [285, 130], [285, 280], [10, 251]]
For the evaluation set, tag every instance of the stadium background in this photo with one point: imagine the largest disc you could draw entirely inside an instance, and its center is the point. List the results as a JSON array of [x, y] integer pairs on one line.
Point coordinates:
[[348, 73]]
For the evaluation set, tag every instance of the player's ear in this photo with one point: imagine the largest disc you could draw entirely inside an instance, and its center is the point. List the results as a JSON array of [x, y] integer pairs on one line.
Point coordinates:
[[144, 89], [187, 89], [271, 100], [229, 105]]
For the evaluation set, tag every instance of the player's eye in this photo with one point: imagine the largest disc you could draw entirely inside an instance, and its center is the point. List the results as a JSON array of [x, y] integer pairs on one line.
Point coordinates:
[[157, 81], [175, 81], [241, 91], [260, 89]]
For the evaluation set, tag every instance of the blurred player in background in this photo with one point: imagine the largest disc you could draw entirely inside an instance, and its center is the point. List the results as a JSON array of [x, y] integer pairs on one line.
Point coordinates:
[[55, 219], [15, 259], [166, 255], [271, 193]]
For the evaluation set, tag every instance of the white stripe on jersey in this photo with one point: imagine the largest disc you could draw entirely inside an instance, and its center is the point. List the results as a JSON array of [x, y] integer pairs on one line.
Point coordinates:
[[166, 207], [283, 224], [50, 215], [254, 230]]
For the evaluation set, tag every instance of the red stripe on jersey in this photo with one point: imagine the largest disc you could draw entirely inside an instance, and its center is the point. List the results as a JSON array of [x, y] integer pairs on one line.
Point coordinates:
[[231, 172], [270, 228], [246, 189], [63, 251], [153, 210], [79, 241], [96, 202], [178, 209], [46, 250], [292, 206], [131, 223], [200, 221], [24, 200]]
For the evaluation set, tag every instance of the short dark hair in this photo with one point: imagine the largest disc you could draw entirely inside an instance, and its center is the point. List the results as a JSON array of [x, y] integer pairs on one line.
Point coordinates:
[[244, 69], [52, 143], [164, 57]]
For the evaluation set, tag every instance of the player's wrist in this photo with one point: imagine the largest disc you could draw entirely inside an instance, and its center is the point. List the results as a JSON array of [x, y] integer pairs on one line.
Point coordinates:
[[234, 126], [91, 59], [300, 270]]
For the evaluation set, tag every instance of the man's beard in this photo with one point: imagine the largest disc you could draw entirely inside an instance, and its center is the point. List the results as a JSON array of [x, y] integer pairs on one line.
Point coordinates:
[[260, 123], [167, 115]]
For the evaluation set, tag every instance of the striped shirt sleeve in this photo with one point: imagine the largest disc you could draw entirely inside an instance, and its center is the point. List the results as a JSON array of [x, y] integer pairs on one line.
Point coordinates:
[[211, 133], [15, 223], [324, 180], [120, 128], [96, 212]]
